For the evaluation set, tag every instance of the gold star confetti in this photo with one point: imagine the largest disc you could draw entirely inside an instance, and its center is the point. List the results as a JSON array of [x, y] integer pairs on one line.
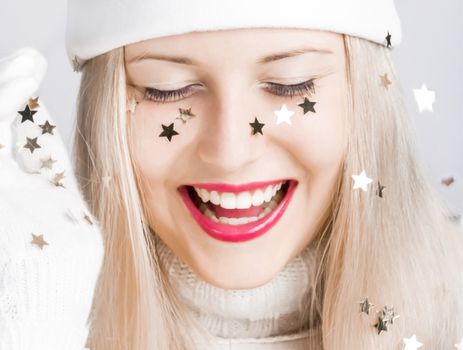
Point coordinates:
[[365, 306], [47, 128], [47, 163], [385, 81], [185, 114], [32, 144], [88, 218], [58, 177], [448, 181], [38, 240], [33, 103]]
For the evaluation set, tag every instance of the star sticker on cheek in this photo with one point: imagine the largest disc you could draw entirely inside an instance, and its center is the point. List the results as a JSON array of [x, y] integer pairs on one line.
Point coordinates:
[[168, 131], [256, 126], [307, 106], [47, 128], [283, 115], [27, 114], [185, 114], [361, 181]]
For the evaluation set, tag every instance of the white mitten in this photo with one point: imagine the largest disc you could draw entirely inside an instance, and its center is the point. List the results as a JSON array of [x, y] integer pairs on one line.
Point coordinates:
[[51, 248]]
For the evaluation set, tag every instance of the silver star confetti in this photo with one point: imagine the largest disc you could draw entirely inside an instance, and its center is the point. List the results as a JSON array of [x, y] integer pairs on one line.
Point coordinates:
[[412, 343], [365, 306], [361, 181], [32, 144], [424, 98]]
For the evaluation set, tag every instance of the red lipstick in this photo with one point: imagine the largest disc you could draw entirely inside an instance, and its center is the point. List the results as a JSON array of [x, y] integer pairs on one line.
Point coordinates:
[[243, 232]]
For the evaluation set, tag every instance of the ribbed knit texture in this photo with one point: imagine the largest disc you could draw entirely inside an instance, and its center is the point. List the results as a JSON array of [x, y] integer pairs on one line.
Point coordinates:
[[45, 294], [262, 315]]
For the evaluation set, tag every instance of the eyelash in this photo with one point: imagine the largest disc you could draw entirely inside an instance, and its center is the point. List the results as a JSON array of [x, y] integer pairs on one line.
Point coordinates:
[[164, 96]]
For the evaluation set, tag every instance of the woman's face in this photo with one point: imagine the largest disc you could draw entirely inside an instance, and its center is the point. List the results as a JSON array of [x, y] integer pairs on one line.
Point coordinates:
[[227, 79]]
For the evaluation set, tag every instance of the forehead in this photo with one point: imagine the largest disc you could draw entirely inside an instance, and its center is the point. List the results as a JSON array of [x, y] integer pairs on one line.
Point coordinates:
[[240, 42]]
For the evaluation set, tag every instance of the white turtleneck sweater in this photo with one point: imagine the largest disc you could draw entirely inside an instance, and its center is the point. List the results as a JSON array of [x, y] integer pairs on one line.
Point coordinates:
[[258, 318]]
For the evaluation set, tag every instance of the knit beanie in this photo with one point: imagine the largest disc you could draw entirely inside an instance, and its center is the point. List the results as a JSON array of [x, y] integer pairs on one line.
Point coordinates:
[[95, 27]]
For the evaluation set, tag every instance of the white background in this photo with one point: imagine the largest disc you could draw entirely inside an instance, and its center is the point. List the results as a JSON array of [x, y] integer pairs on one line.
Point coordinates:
[[431, 52]]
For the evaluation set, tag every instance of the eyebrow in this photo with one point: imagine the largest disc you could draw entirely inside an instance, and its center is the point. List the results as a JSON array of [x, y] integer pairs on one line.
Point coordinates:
[[267, 59]]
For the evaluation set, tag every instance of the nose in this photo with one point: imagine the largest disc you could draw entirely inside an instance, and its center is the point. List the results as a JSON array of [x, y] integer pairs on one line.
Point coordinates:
[[226, 141]]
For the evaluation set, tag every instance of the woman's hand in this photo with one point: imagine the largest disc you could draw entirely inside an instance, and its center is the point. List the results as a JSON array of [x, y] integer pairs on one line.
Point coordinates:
[[51, 248]]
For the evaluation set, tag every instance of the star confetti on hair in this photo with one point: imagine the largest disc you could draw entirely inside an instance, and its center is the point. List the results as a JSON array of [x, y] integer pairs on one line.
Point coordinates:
[[365, 306], [424, 98], [448, 181], [412, 343], [106, 179], [38, 241], [460, 344], [390, 314], [283, 115], [168, 131], [381, 325], [75, 64], [388, 39], [361, 181], [256, 126], [47, 163], [47, 128], [307, 105], [385, 81], [32, 144], [185, 114], [57, 178], [380, 189], [27, 114], [33, 103]]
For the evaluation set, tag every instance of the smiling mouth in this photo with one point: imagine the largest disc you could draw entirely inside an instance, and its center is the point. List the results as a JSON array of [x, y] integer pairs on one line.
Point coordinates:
[[220, 212]]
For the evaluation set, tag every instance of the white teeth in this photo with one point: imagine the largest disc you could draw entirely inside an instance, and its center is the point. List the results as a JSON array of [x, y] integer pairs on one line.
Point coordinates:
[[237, 221], [258, 197], [214, 198], [242, 200]]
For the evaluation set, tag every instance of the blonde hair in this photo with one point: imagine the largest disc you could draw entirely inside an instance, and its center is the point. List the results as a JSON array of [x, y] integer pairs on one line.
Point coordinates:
[[400, 250]]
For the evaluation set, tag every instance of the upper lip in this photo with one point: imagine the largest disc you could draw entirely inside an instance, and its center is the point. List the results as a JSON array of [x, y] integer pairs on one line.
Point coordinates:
[[224, 187]]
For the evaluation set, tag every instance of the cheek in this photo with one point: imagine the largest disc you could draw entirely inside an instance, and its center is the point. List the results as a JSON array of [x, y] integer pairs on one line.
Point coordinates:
[[153, 154]]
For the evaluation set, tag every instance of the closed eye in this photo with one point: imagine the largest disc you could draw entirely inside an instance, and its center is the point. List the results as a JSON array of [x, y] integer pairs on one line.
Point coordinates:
[[165, 96]]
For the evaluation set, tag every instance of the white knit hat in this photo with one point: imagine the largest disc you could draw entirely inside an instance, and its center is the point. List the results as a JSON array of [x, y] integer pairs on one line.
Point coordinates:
[[98, 26]]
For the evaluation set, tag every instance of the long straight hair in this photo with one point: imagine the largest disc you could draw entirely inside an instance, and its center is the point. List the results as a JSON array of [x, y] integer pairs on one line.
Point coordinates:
[[401, 250]]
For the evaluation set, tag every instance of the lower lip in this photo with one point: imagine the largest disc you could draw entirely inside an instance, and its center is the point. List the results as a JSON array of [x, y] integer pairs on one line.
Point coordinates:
[[238, 233]]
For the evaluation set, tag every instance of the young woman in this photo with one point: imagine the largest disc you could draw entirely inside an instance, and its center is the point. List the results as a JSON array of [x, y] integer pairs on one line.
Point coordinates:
[[255, 178]]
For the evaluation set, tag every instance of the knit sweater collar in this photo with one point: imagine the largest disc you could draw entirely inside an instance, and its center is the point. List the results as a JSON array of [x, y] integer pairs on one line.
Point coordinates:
[[270, 310]]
